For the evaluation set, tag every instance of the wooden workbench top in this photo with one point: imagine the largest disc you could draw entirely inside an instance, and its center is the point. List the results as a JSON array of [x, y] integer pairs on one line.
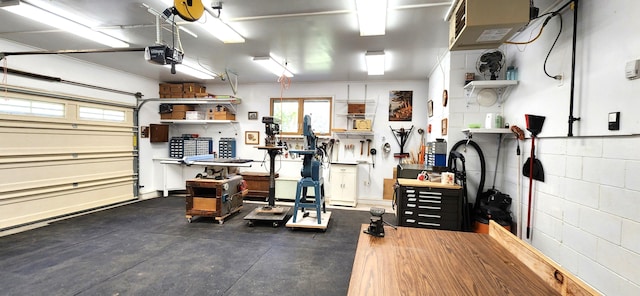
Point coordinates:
[[418, 183], [413, 261]]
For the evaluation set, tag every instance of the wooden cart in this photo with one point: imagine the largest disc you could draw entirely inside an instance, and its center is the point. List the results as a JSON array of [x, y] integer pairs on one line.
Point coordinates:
[[214, 198]]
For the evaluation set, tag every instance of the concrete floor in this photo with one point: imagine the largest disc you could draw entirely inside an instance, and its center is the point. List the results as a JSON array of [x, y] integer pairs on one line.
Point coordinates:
[[148, 248]]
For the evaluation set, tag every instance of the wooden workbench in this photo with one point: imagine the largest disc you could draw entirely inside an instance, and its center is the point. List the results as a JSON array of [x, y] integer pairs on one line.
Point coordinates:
[[413, 261]]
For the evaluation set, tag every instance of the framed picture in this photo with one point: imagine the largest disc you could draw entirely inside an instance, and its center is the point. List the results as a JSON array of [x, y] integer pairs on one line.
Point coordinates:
[[252, 137], [445, 122], [430, 108], [445, 98], [400, 105], [253, 115]]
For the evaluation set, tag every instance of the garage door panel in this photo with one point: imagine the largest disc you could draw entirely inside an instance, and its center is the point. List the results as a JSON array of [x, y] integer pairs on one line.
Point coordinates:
[[23, 142], [34, 175], [48, 205], [64, 161]]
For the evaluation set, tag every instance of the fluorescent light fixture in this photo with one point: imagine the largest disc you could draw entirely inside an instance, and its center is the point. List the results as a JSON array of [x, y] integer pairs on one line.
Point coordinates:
[[48, 18], [372, 17], [375, 62], [193, 71], [220, 29], [274, 67]]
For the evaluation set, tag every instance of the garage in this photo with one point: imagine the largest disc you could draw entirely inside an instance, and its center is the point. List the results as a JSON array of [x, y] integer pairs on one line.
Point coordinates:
[[361, 147]]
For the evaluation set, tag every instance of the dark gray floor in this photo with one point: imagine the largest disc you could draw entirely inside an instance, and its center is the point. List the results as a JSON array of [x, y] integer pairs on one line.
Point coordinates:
[[148, 248]]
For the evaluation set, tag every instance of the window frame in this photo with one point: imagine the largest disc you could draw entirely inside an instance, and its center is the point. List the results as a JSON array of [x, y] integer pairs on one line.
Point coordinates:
[[301, 101]]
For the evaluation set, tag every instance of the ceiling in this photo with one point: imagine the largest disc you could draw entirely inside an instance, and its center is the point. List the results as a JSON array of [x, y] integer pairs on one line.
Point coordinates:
[[319, 40]]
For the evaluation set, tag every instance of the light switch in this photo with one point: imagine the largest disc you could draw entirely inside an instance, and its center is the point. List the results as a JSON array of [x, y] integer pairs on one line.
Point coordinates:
[[614, 121]]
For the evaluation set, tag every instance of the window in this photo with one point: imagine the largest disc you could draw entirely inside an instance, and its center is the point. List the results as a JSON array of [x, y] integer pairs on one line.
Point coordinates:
[[291, 113], [31, 107], [101, 114]]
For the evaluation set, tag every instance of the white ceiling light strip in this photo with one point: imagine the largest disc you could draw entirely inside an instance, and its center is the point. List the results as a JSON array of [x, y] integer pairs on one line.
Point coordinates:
[[50, 19], [274, 67], [375, 62], [372, 17]]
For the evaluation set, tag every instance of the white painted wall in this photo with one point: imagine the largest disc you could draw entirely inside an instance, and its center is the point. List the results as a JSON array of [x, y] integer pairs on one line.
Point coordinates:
[[256, 97], [586, 215]]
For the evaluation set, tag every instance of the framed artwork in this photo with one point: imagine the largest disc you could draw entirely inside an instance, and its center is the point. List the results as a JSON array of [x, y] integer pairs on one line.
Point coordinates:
[[252, 137], [445, 122], [400, 105], [430, 108], [253, 115], [445, 98]]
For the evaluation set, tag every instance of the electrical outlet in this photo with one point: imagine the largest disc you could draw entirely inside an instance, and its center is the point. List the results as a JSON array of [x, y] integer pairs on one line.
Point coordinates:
[[561, 80]]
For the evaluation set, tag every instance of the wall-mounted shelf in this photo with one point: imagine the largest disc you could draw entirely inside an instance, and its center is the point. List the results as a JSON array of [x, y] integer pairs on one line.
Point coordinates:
[[354, 134], [187, 121], [502, 88], [228, 102], [470, 131]]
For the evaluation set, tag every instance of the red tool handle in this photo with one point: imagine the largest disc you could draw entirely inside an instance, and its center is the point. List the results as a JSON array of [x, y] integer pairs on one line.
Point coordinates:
[[531, 162]]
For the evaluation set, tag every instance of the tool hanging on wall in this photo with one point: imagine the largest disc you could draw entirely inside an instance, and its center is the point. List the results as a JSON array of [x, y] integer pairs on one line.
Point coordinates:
[[519, 134], [401, 135], [361, 147], [532, 167], [368, 147], [373, 152], [423, 147]]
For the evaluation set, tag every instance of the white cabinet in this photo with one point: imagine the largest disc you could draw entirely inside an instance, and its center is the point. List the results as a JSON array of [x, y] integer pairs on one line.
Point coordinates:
[[344, 184]]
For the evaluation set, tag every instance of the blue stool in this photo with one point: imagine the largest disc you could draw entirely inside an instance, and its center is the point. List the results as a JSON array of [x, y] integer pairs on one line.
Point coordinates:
[[301, 197]]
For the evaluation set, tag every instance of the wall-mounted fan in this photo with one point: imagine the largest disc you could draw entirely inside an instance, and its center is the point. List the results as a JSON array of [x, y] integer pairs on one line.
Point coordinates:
[[490, 63]]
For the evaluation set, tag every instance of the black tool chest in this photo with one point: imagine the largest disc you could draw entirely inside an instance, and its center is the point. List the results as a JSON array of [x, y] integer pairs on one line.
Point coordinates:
[[429, 207]]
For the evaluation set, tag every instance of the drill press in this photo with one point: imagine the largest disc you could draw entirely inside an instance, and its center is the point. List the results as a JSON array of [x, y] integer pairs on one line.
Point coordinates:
[[271, 128]]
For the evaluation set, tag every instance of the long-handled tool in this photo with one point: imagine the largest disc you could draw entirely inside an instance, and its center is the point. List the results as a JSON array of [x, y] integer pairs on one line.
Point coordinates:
[[361, 147], [532, 167], [519, 134], [368, 147]]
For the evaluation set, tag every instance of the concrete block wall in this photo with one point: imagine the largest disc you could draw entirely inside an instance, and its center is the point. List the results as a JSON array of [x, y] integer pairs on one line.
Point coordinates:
[[586, 215]]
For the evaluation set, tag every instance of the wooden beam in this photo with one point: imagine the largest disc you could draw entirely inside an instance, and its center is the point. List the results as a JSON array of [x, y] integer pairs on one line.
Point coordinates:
[[549, 271]]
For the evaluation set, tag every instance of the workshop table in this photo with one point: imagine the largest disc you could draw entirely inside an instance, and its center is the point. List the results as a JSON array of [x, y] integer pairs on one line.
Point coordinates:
[[415, 261]]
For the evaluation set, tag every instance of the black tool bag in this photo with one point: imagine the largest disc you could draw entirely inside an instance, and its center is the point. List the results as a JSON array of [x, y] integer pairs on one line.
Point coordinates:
[[495, 205]]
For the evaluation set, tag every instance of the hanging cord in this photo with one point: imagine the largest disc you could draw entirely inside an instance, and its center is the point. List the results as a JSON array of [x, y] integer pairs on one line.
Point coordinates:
[[285, 83], [556, 77]]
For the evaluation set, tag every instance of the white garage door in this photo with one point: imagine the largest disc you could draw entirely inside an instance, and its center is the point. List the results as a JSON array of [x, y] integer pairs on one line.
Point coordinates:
[[62, 154]]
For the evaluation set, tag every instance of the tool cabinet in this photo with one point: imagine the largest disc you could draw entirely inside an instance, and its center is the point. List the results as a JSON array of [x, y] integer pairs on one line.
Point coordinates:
[[425, 204], [214, 198]]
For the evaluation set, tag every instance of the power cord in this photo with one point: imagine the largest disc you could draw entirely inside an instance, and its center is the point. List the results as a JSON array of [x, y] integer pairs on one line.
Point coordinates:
[[556, 77]]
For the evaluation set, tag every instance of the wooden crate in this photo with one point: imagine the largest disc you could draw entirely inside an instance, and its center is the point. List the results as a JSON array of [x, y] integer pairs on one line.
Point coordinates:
[[356, 108]]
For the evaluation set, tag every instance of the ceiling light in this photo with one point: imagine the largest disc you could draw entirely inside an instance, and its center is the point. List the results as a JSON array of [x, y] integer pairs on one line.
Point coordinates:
[[59, 22], [372, 17], [220, 29], [375, 62], [193, 71], [274, 67]]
